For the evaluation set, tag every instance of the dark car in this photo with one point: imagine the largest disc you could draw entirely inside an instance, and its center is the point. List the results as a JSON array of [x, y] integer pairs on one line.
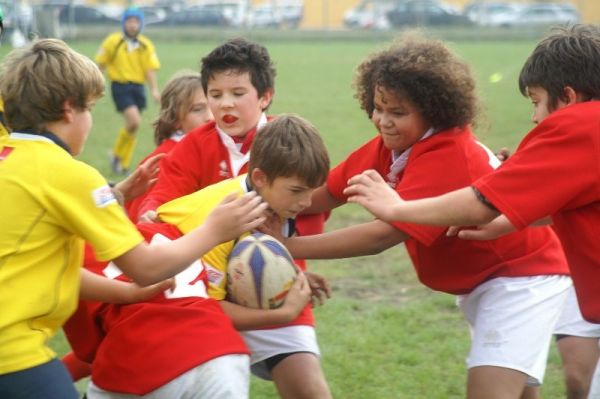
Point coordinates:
[[430, 13], [195, 15], [81, 14]]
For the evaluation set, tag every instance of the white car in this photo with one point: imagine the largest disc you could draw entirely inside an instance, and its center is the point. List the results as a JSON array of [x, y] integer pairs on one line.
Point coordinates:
[[543, 14]]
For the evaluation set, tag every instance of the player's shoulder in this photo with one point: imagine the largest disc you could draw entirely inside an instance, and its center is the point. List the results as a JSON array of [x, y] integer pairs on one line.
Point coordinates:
[[145, 40], [113, 38], [201, 136]]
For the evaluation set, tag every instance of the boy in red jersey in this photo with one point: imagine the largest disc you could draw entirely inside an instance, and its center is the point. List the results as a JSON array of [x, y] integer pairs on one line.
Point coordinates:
[[421, 99], [554, 173]]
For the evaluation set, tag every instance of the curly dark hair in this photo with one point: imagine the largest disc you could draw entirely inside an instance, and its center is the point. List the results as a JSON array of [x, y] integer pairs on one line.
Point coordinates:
[[568, 56], [240, 55], [424, 72]]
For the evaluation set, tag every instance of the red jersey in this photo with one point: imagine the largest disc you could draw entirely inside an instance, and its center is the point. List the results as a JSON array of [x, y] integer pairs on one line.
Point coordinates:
[[444, 162], [148, 344], [200, 160], [556, 172], [132, 207]]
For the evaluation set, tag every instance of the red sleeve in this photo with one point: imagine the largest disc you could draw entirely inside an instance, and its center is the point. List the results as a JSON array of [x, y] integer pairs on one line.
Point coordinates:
[[179, 174], [372, 155], [555, 168], [445, 162]]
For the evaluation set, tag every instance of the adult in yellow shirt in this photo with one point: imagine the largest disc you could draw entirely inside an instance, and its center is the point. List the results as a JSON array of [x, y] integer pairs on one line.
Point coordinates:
[[130, 60]]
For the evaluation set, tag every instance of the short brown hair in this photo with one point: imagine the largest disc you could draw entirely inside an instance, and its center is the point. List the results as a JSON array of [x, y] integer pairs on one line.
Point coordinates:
[[240, 55], [175, 100], [36, 81], [424, 72], [568, 56], [290, 146]]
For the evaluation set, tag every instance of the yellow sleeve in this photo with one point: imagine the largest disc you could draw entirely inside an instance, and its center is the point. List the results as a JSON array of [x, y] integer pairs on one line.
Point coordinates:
[[151, 61], [83, 202], [106, 51]]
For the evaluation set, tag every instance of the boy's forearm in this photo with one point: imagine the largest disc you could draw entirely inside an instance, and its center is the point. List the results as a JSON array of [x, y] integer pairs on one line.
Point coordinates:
[[457, 208], [102, 289], [151, 79], [149, 264], [244, 318], [360, 240], [322, 201]]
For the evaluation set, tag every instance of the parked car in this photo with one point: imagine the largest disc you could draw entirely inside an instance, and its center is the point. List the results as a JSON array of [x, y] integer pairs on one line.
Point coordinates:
[[153, 14], [369, 14], [195, 15], [82, 14], [269, 16], [234, 11], [543, 14], [490, 14], [425, 12]]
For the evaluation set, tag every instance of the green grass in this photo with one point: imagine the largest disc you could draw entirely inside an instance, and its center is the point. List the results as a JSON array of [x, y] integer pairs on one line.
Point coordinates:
[[383, 335]]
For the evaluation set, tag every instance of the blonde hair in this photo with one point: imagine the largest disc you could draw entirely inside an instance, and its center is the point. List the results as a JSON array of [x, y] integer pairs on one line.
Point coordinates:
[[37, 80], [175, 101], [290, 146]]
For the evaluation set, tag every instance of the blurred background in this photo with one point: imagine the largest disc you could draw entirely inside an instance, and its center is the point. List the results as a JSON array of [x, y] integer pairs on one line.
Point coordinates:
[[73, 19]]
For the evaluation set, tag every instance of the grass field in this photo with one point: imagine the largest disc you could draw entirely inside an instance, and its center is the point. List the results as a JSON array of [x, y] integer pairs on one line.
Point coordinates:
[[383, 335]]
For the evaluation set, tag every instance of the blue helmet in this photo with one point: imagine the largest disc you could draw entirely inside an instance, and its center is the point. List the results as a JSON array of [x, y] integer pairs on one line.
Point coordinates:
[[133, 12]]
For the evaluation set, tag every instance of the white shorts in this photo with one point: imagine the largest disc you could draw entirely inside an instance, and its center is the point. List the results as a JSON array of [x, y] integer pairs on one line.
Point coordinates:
[[512, 320], [224, 377], [572, 323], [264, 344]]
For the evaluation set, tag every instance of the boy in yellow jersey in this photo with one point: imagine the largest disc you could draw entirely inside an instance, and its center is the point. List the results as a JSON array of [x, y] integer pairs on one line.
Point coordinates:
[[288, 161], [130, 60], [51, 202]]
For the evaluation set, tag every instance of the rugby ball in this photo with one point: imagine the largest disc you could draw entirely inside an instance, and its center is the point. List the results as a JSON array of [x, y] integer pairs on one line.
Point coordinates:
[[260, 272]]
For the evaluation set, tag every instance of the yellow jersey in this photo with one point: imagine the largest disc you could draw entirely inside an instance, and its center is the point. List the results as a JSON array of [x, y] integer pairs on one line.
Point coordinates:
[[3, 129], [127, 61], [190, 211], [50, 203]]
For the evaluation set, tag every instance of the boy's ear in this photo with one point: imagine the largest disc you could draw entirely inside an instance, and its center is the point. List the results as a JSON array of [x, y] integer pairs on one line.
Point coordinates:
[[67, 111], [570, 96], [258, 178], [266, 99]]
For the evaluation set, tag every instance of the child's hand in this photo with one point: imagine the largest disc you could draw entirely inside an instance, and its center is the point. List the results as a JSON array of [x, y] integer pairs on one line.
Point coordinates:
[[140, 294], [297, 297], [236, 215], [320, 288], [503, 154], [142, 178], [369, 190]]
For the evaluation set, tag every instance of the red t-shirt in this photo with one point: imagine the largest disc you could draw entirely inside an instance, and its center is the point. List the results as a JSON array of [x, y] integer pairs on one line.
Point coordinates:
[[556, 172], [146, 345], [444, 162]]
